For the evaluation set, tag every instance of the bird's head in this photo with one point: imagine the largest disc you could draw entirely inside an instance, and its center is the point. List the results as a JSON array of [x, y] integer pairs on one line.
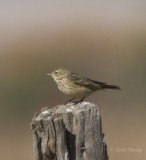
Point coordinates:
[[59, 74]]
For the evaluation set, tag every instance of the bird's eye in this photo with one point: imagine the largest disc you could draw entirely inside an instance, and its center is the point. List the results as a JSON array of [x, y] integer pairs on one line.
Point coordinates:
[[55, 72]]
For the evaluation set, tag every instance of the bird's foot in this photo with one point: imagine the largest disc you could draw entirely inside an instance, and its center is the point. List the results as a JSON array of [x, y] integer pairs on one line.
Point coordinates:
[[81, 100], [75, 102], [69, 101], [78, 101]]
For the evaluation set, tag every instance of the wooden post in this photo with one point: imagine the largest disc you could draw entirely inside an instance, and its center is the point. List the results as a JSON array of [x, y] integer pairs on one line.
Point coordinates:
[[69, 132]]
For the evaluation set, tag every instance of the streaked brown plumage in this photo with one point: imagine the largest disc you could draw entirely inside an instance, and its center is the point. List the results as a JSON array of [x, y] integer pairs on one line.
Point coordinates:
[[76, 86]]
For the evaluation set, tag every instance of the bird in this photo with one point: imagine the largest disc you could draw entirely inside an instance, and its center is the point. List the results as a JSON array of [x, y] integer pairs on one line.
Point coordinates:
[[76, 86]]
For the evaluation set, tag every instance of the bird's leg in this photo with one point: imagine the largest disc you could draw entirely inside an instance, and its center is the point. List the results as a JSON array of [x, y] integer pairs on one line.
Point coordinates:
[[82, 99], [69, 100]]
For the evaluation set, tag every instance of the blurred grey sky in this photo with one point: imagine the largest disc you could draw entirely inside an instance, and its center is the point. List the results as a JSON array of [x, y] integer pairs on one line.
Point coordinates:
[[21, 17]]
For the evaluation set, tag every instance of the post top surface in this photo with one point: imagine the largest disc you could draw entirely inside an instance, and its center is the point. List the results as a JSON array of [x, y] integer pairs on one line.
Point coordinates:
[[68, 108]]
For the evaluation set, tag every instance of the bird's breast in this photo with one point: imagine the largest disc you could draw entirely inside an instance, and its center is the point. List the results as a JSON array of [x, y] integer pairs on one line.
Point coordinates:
[[72, 89]]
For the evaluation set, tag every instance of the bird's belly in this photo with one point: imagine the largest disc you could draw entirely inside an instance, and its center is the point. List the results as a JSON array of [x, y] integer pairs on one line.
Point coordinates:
[[75, 91]]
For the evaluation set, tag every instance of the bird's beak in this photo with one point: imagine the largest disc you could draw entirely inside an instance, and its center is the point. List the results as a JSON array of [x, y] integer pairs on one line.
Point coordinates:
[[48, 74]]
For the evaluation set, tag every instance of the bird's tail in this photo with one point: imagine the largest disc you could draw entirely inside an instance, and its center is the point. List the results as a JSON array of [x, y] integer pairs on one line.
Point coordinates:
[[106, 86]]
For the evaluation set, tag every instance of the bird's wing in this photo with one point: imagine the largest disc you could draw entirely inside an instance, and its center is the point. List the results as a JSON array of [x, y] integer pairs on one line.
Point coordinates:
[[86, 82]]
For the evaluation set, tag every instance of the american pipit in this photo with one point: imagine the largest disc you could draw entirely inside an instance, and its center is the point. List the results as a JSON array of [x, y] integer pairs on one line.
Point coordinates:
[[76, 86]]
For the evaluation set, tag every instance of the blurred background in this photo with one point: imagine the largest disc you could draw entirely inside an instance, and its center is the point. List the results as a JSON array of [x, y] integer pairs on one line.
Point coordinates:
[[103, 40]]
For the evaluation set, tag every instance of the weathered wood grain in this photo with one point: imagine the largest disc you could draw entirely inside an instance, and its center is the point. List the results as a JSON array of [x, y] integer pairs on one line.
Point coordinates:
[[69, 132]]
